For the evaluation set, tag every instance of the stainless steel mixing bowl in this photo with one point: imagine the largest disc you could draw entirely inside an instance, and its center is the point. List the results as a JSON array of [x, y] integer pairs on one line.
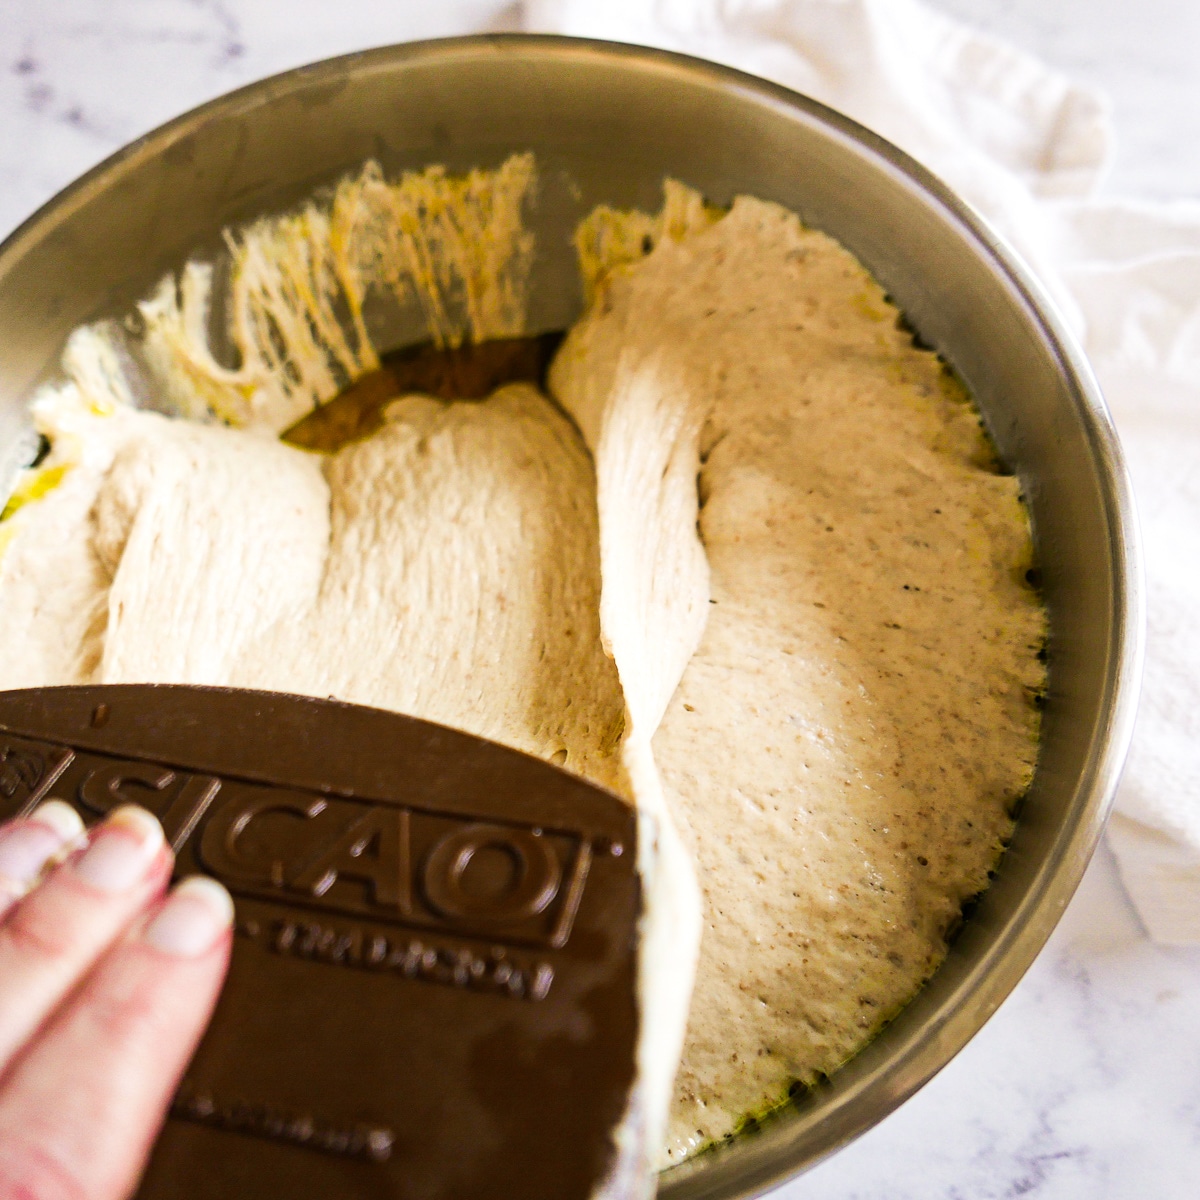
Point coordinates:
[[607, 123]]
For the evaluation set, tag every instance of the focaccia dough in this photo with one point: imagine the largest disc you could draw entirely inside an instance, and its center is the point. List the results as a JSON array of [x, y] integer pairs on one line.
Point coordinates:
[[446, 567], [782, 603]]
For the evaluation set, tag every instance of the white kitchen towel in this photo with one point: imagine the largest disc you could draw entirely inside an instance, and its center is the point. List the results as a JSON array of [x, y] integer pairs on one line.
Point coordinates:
[[1029, 149]]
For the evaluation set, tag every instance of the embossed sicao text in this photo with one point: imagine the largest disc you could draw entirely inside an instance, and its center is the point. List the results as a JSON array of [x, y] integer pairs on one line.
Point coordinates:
[[379, 861]]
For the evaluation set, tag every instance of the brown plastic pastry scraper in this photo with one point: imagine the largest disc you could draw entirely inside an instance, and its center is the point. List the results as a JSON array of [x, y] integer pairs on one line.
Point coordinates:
[[432, 992]]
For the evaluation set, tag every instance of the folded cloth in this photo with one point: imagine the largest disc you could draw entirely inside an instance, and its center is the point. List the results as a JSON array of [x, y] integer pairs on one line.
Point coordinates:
[[1029, 149]]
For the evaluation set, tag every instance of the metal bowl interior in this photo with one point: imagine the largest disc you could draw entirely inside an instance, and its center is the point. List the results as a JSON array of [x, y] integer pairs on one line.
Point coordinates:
[[606, 124]]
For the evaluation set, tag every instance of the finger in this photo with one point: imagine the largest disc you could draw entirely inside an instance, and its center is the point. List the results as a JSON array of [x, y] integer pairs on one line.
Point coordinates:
[[50, 939], [82, 1107], [28, 847]]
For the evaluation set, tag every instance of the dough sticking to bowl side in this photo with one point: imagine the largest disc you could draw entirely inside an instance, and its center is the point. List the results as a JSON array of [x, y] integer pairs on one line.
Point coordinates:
[[857, 721], [301, 284]]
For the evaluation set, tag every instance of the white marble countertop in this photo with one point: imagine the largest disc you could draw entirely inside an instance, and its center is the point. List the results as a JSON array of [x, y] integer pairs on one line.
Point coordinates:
[[1086, 1083]]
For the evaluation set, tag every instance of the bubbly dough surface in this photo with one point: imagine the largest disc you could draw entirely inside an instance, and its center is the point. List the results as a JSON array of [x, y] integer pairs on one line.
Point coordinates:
[[857, 721]]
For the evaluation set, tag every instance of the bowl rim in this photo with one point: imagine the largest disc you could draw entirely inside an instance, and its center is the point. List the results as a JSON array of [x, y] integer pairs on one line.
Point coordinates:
[[1013, 950]]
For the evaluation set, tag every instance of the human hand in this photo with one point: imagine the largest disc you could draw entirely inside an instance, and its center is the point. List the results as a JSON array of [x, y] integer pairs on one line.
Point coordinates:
[[105, 988]]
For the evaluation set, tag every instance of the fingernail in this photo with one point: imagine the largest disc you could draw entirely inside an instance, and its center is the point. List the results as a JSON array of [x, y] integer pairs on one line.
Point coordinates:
[[27, 847], [197, 912], [61, 817], [121, 850]]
